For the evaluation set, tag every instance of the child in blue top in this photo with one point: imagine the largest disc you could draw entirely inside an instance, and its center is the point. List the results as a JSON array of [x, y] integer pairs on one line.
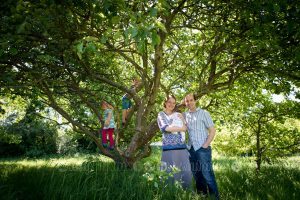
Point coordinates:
[[109, 125], [126, 102]]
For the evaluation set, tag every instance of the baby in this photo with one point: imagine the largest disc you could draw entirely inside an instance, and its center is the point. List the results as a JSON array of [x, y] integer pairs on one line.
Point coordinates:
[[177, 121]]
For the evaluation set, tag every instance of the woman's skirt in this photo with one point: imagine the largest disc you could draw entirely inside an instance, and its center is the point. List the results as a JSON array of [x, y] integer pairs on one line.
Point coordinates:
[[178, 159]]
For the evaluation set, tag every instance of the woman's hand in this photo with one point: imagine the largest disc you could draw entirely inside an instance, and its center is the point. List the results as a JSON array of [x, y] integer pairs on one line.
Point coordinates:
[[184, 128]]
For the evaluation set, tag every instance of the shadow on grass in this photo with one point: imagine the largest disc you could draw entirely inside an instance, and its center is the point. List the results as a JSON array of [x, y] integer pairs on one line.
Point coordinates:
[[93, 179]]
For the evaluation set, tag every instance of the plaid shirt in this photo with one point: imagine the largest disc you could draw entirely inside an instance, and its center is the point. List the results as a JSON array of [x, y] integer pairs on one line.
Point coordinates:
[[198, 123]]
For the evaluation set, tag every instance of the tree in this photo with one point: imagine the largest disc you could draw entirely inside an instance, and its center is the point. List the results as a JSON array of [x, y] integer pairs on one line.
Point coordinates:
[[265, 122], [72, 54], [257, 125]]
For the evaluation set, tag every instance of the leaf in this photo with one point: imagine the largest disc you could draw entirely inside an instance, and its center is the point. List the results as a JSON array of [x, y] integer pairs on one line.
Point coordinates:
[[141, 46], [103, 39], [134, 32], [91, 47], [115, 19], [153, 12], [14, 51], [155, 39], [79, 55], [21, 28], [79, 50], [91, 39], [161, 26], [276, 7], [79, 47]]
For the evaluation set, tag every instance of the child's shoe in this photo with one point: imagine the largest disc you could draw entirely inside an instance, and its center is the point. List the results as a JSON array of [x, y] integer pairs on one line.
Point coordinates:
[[104, 145], [111, 148]]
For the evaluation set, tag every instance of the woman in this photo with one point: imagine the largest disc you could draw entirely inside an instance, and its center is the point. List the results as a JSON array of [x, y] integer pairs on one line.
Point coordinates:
[[174, 152]]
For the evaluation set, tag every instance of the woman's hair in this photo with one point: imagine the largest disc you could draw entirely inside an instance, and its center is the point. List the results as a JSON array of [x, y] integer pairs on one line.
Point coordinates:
[[167, 99]]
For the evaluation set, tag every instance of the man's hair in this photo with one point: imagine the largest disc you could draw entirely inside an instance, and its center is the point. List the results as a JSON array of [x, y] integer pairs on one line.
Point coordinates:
[[193, 94]]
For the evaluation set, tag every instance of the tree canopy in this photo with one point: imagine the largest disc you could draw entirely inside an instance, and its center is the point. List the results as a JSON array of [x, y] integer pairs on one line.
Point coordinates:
[[70, 55]]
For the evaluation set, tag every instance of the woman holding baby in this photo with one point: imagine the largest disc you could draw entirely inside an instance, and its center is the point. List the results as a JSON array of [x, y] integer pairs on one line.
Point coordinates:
[[174, 152]]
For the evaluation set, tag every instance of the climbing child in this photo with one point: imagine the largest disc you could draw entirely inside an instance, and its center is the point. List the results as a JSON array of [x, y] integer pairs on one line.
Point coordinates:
[[109, 125], [126, 102]]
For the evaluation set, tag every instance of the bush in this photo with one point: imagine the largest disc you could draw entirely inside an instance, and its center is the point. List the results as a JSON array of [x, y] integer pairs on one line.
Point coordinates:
[[37, 138]]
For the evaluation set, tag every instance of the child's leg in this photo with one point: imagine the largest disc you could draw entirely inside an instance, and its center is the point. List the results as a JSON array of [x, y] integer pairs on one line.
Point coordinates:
[[124, 115], [111, 137], [104, 136], [126, 105]]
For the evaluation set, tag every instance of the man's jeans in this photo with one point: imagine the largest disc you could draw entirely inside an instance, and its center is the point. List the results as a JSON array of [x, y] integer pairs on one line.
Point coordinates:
[[201, 165]]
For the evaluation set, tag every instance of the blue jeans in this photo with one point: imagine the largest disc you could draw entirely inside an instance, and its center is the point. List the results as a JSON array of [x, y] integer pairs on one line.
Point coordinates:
[[203, 173]]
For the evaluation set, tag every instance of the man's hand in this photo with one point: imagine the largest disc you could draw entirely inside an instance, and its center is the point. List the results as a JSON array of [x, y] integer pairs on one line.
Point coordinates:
[[211, 135]]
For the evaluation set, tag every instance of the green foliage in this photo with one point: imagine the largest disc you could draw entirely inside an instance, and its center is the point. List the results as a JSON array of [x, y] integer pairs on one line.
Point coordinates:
[[250, 123], [72, 54], [27, 135], [36, 137]]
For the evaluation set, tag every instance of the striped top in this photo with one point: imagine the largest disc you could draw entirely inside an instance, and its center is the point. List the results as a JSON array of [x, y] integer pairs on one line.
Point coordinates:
[[171, 140], [198, 123], [112, 120]]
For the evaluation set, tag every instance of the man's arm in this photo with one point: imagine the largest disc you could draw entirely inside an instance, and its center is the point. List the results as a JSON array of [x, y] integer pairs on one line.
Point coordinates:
[[211, 135]]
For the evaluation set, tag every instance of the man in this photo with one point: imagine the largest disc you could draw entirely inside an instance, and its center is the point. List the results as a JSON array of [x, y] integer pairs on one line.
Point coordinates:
[[201, 133]]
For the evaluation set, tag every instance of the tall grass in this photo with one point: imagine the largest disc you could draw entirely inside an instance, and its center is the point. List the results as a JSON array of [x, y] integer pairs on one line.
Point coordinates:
[[88, 178], [95, 177], [238, 179]]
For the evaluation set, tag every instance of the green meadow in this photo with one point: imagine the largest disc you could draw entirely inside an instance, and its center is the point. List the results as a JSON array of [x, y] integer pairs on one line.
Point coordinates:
[[91, 176]]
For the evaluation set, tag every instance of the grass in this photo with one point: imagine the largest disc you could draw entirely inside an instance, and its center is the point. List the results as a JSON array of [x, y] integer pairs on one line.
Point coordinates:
[[237, 179], [96, 177]]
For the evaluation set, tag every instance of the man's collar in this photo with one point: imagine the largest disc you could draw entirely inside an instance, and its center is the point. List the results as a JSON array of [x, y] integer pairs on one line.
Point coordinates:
[[197, 109]]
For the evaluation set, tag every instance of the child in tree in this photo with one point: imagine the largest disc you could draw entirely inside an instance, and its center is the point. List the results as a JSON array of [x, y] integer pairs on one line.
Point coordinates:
[[126, 102], [109, 125]]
